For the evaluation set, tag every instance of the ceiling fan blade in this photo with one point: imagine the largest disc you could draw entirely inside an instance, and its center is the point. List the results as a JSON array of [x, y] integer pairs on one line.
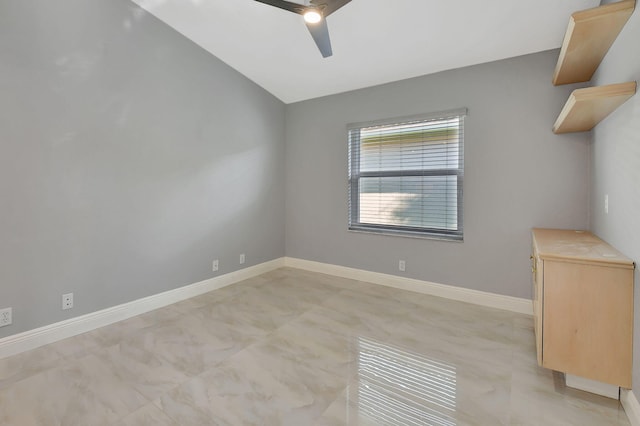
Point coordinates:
[[329, 6], [320, 34], [286, 5]]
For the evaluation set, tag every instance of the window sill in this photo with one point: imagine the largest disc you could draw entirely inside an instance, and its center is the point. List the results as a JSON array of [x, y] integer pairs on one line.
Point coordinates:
[[407, 234]]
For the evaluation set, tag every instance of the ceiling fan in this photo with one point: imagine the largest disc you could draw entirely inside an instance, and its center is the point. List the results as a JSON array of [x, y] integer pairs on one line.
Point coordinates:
[[314, 17]]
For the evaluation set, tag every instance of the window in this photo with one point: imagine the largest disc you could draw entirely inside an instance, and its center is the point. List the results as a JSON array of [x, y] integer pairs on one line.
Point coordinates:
[[405, 175]]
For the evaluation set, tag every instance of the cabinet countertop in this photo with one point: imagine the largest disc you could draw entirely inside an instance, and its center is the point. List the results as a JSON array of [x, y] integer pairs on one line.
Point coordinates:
[[577, 246]]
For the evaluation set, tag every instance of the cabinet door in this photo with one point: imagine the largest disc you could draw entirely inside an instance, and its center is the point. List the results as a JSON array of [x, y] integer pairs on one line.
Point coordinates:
[[588, 314], [537, 276]]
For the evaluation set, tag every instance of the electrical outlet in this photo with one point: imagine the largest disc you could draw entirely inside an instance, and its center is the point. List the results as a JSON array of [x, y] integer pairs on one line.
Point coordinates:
[[6, 317], [242, 259], [402, 265], [67, 301], [215, 265]]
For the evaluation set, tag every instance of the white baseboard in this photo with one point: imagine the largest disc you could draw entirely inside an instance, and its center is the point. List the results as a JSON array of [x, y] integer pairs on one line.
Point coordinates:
[[32, 339], [631, 406], [508, 303], [593, 386]]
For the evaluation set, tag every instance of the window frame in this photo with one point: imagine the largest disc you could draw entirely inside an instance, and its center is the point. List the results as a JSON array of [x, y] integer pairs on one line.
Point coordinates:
[[354, 176]]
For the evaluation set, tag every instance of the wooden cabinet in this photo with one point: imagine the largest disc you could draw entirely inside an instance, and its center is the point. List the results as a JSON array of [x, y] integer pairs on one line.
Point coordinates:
[[583, 306]]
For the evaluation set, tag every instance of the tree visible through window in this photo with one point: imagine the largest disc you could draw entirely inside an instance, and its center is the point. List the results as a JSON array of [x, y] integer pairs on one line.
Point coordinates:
[[405, 175]]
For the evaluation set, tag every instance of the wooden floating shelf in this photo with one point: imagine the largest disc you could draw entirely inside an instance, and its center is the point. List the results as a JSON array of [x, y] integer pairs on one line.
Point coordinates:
[[587, 107], [589, 36]]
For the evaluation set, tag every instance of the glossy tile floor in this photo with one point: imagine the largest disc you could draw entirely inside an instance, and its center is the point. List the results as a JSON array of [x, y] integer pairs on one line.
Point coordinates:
[[297, 348]]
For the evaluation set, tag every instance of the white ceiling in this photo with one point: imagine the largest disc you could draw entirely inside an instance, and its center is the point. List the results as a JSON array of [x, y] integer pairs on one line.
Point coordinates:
[[374, 41]]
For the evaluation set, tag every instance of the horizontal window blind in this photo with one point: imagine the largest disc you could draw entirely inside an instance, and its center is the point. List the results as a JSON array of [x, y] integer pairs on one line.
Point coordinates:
[[406, 175]]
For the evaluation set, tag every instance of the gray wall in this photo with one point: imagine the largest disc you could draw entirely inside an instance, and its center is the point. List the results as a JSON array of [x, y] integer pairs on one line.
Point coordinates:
[[615, 164], [518, 174], [129, 159]]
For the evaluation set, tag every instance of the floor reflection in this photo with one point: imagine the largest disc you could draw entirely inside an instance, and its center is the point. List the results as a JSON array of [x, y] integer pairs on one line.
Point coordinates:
[[398, 387]]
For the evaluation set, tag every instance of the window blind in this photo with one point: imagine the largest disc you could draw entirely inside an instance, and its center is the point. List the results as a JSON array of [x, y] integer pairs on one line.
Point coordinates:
[[406, 175]]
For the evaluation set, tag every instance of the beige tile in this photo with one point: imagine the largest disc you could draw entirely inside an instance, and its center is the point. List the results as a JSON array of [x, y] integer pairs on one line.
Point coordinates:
[[21, 366], [79, 392], [539, 396], [254, 387], [149, 415], [143, 370], [114, 333], [76, 346], [187, 306], [189, 346], [251, 314], [293, 347]]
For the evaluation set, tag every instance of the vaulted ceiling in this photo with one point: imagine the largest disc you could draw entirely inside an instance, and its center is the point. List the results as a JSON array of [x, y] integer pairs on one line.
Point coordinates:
[[374, 41]]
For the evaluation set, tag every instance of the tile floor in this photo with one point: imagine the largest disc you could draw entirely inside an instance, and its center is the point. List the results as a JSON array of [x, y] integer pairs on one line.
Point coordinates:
[[297, 348]]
